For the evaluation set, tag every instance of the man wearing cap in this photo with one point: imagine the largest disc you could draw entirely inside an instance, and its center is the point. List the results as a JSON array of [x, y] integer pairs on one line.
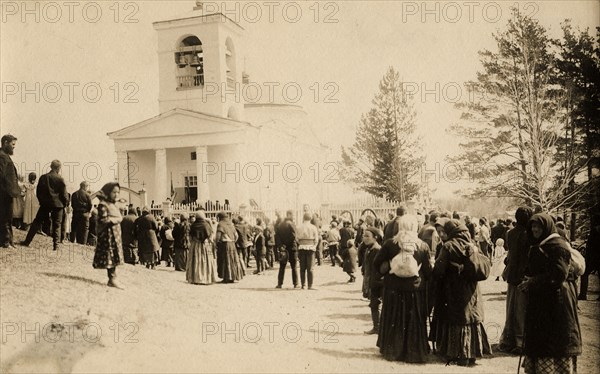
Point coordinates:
[[9, 189], [52, 195]]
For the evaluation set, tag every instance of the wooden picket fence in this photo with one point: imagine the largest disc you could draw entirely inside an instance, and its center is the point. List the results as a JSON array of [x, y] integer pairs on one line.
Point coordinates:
[[361, 206]]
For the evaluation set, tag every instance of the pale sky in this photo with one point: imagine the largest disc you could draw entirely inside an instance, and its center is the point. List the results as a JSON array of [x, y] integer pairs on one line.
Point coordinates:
[[351, 54]]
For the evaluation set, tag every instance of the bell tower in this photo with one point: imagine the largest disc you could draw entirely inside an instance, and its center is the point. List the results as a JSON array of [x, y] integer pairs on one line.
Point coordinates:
[[200, 64]]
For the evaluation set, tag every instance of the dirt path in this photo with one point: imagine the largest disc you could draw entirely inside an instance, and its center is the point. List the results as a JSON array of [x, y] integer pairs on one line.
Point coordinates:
[[57, 315]]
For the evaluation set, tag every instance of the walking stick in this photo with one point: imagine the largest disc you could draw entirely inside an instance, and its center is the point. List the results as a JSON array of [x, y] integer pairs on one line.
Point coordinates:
[[523, 348]]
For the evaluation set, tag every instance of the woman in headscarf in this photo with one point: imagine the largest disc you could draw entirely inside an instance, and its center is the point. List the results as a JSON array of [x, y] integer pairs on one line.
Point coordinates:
[[109, 250], [403, 327], [552, 333], [230, 267], [200, 268], [146, 229], [459, 335], [484, 237], [181, 234]]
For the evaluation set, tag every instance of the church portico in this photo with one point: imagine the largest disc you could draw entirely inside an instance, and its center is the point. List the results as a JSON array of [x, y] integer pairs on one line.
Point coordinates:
[[181, 153]]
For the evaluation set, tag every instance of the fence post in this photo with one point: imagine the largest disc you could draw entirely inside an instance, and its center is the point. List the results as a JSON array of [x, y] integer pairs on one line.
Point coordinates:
[[325, 212], [166, 208], [143, 198]]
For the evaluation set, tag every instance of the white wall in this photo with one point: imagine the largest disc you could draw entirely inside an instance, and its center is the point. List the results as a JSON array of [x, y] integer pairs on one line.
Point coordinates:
[[142, 170]]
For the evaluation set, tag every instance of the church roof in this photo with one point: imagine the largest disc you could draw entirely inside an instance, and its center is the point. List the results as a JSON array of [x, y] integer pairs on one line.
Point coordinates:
[[178, 111]]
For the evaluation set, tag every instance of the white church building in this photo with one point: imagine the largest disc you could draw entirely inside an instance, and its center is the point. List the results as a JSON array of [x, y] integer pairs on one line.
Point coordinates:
[[207, 144]]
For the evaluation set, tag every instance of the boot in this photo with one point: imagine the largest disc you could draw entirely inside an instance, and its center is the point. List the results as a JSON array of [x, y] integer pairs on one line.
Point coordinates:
[[375, 318], [112, 279]]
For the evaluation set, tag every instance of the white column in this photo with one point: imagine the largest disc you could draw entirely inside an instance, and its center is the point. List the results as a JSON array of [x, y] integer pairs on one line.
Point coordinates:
[[242, 187], [122, 168], [201, 165], [160, 175], [123, 172]]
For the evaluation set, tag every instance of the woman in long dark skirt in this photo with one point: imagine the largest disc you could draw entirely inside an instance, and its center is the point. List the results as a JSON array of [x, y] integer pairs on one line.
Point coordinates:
[[109, 249], [230, 267], [403, 327], [552, 332], [460, 335], [181, 235], [200, 267]]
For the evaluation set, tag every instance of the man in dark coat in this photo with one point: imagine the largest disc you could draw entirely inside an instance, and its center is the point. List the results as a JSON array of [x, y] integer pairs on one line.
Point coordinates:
[[9, 189], [517, 245], [498, 231], [52, 195], [81, 202], [285, 234], [391, 228], [128, 236]]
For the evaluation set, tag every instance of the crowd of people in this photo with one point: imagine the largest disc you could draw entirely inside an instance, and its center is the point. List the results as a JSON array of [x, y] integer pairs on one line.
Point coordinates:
[[420, 273]]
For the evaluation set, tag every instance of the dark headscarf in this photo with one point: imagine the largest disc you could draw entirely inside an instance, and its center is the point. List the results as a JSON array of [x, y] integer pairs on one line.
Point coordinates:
[[547, 223], [455, 229], [104, 193]]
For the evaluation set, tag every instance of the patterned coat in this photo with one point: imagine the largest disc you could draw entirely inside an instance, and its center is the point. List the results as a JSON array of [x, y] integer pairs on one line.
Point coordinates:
[[109, 248]]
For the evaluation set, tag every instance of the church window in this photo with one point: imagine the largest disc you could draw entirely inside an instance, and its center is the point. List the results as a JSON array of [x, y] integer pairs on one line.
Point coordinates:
[[230, 72]]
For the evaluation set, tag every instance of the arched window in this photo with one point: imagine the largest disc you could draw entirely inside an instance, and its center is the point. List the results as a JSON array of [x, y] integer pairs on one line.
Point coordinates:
[[230, 63], [190, 63]]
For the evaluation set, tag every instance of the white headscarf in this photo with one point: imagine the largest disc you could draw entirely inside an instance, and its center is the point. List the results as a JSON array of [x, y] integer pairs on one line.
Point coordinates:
[[407, 236]]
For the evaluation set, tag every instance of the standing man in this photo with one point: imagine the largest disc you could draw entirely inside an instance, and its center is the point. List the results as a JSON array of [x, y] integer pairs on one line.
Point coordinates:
[[316, 220], [128, 236], [360, 228], [286, 232], [498, 231], [81, 202], [9, 189], [391, 228], [308, 238], [333, 242], [346, 234], [52, 194]]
